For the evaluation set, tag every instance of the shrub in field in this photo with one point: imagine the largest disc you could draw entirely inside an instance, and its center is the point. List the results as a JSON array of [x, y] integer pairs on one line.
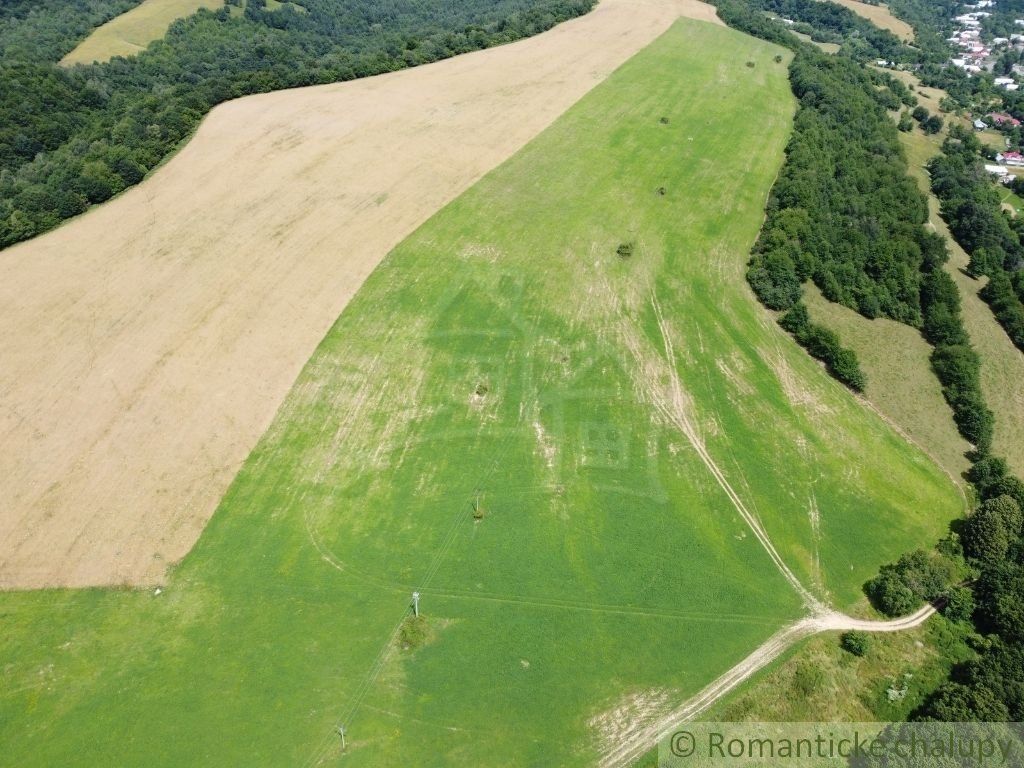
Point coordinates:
[[414, 632], [856, 643]]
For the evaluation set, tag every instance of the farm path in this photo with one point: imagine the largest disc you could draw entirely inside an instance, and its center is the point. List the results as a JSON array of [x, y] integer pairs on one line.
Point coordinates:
[[672, 401], [645, 735]]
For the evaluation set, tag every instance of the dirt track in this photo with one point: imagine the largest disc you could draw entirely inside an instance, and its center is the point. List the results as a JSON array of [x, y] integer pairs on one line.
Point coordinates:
[[147, 345], [644, 736]]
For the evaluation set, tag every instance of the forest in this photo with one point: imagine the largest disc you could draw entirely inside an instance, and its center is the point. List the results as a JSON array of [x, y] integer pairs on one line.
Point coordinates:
[[971, 206], [831, 23], [44, 30], [822, 224], [843, 212], [74, 137]]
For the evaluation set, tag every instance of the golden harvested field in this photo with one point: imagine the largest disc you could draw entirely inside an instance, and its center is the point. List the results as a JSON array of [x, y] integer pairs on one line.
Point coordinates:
[[149, 342], [131, 32], [881, 17]]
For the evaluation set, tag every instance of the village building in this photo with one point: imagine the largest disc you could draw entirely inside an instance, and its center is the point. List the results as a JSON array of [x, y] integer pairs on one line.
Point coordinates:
[[1001, 118]]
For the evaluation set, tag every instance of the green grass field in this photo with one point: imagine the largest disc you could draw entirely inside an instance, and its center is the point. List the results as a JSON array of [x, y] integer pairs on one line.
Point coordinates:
[[506, 363], [131, 32], [822, 682], [901, 384], [1011, 202]]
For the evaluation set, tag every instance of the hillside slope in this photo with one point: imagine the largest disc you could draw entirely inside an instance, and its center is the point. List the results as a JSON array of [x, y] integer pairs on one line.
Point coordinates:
[[557, 413], [148, 343]]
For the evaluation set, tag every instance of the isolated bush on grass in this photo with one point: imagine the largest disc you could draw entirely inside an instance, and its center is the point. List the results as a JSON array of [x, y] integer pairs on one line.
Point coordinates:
[[414, 632], [856, 643]]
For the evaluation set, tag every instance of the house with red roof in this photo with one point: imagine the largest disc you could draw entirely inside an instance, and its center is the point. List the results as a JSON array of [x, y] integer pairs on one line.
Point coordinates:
[[1010, 158], [1001, 118]]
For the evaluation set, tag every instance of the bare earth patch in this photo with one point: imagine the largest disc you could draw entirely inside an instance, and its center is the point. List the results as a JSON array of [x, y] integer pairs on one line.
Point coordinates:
[[147, 344], [612, 726]]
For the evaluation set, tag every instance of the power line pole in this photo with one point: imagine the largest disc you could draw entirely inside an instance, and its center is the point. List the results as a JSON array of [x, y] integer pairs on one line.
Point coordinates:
[[341, 732], [416, 604]]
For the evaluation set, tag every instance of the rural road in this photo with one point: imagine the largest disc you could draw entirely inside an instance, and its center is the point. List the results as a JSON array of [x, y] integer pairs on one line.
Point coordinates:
[[670, 399], [646, 735]]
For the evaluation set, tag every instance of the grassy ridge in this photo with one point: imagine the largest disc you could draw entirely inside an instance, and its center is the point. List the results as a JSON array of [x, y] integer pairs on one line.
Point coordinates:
[[131, 32], [507, 361], [1002, 365]]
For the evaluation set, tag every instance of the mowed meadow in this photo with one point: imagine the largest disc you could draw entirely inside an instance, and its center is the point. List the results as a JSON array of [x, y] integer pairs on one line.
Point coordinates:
[[131, 32], [539, 412]]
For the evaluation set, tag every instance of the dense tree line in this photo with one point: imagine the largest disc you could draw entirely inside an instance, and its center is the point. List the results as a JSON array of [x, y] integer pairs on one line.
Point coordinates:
[[832, 23], [932, 22], [843, 212], [988, 545], [953, 360], [44, 30], [991, 686], [971, 206], [917, 577], [823, 344], [1006, 305], [990, 542], [40, 106], [72, 137], [822, 22]]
